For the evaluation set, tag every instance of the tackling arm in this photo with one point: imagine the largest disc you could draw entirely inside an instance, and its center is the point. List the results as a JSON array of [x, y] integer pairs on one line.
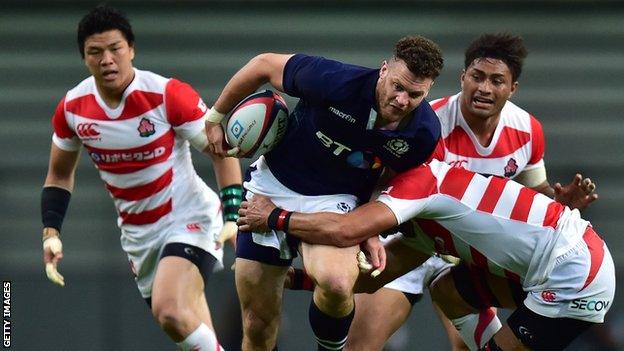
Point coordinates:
[[341, 230]]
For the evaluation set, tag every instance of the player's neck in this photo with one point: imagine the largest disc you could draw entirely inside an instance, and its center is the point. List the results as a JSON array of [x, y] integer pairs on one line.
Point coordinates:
[[112, 97], [382, 123], [483, 128]]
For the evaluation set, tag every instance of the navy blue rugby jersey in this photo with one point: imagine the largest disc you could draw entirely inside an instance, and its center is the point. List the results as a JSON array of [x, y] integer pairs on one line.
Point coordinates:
[[330, 146]]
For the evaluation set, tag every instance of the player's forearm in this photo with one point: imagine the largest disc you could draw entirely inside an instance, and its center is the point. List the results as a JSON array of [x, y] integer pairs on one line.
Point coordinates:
[[61, 169], [545, 189], [325, 228], [227, 171]]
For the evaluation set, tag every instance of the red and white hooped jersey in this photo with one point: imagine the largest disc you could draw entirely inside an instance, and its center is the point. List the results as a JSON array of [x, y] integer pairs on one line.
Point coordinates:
[[140, 147], [492, 222], [517, 144]]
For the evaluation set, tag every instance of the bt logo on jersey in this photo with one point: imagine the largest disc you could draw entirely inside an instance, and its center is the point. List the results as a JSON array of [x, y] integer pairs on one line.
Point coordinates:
[[329, 143]]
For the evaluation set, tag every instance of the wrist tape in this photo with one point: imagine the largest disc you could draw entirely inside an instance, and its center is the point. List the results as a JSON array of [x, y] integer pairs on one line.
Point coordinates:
[[54, 202], [279, 219], [231, 198]]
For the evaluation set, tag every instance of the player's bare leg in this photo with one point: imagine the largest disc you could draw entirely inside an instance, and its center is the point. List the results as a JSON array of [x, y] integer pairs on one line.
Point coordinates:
[[377, 317], [179, 304], [260, 290], [334, 270], [457, 344]]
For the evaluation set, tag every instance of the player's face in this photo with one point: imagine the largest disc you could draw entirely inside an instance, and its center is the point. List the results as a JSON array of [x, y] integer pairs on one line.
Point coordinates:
[[486, 85], [108, 56], [398, 91]]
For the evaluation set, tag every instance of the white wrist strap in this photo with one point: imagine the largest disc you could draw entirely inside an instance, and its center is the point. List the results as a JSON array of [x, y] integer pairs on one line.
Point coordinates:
[[214, 116]]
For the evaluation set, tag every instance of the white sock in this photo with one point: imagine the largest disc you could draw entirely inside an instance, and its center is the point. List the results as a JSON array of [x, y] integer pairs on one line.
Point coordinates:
[[477, 329], [201, 339]]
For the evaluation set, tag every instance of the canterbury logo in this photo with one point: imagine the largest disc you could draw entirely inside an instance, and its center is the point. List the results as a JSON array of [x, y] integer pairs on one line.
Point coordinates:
[[87, 130]]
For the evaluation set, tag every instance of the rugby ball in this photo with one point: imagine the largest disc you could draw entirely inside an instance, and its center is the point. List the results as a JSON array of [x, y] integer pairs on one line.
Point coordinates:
[[257, 124]]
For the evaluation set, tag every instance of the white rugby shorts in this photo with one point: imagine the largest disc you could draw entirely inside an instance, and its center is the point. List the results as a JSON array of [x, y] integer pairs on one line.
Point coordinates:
[[263, 182], [417, 280], [581, 284], [195, 220]]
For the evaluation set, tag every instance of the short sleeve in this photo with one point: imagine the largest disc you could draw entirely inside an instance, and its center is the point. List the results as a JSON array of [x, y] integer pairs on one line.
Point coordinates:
[[64, 137], [409, 193], [309, 77], [185, 109]]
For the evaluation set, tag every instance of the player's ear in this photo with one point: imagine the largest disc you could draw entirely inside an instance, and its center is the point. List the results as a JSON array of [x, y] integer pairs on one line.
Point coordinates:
[[514, 87], [461, 79], [383, 71]]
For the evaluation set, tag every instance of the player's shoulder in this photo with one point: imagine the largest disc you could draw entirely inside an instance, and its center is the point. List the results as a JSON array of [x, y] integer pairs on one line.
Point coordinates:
[[514, 116], [149, 81], [447, 109], [85, 87], [444, 104]]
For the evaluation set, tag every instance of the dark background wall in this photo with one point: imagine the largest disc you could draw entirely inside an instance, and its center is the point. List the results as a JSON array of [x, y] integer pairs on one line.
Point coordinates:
[[572, 82]]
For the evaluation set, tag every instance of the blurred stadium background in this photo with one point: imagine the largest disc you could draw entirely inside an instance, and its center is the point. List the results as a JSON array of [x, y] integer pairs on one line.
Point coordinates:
[[572, 81]]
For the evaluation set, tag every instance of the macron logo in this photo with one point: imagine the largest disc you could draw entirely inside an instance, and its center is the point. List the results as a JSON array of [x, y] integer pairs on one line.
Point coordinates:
[[342, 115]]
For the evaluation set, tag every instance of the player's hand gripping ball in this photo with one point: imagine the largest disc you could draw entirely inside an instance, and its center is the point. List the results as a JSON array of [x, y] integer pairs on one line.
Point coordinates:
[[257, 124]]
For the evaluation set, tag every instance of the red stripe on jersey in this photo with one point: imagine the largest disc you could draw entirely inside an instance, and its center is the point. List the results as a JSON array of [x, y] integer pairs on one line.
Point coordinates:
[[512, 276], [416, 183], [537, 141], [492, 193], [479, 259], [436, 105], [59, 122], [441, 236], [553, 212], [596, 252], [183, 103], [520, 211], [456, 182], [439, 152], [125, 161], [510, 140], [142, 191], [86, 106], [485, 317], [139, 102], [146, 217]]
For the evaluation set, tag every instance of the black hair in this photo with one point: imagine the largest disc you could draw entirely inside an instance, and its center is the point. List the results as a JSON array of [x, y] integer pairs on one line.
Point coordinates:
[[101, 19], [502, 46]]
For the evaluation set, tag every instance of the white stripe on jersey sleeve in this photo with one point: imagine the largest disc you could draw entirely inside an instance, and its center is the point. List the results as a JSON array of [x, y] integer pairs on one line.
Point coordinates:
[[403, 210], [67, 144], [190, 129], [510, 194]]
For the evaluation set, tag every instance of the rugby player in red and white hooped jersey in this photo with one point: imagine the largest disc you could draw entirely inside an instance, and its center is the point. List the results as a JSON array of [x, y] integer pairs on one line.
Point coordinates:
[[136, 127], [515, 233], [484, 132]]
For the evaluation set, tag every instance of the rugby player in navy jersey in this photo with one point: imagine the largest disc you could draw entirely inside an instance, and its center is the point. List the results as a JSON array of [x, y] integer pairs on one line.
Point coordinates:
[[350, 123]]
